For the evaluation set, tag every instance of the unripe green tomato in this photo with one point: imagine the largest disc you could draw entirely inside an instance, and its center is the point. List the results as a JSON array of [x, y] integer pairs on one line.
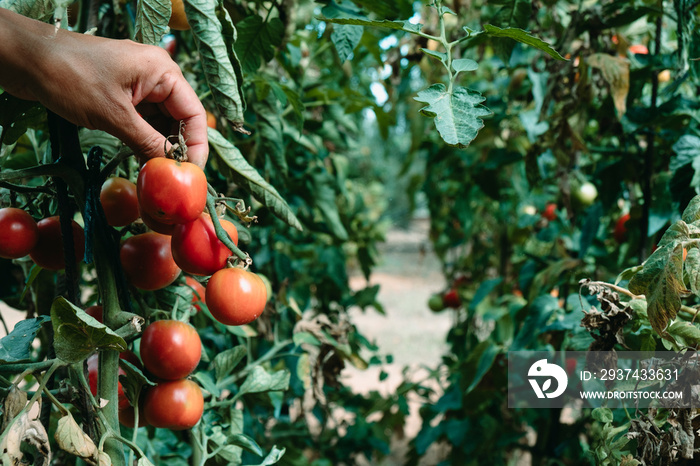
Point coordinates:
[[585, 194], [435, 303]]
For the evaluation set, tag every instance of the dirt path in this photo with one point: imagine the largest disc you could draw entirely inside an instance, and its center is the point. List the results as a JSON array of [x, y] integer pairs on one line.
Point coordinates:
[[408, 274]]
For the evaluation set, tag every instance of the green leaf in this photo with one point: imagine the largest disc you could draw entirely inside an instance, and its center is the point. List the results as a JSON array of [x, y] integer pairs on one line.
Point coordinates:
[[301, 338], [133, 382], [40, 9], [687, 332], [661, 281], [345, 38], [152, 18], [273, 457], [16, 115], [442, 56], [457, 115], [387, 8], [524, 37], [245, 442], [17, 346], [206, 380], [209, 21], [257, 41], [603, 415], [241, 172], [269, 134], [398, 25], [325, 199], [480, 361], [77, 335], [464, 64], [691, 214], [297, 105], [227, 360], [692, 268], [259, 380]]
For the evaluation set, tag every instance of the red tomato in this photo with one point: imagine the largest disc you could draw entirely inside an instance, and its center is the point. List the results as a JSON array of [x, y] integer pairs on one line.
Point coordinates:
[[620, 233], [235, 296], [147, 261], [18, 233], [198, 292], [170, 349], [118, 198], [95, 312], [197, 250], [176, 404], [211, 120], [640, 49], [171, 192], [127, 416], [155, 225], [451, 299], [48, 252], [93, 369], [550, 211]]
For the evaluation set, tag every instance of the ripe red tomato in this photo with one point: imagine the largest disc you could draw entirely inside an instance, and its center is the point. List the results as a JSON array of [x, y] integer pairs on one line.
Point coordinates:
[[18, 233], [451, 299], [147, 261], [640, 49], [176, 404], [620, 233], [155, 225], [171, 192], [235, 296], [127, 416], [118, 198], [198, 292], [95, 312], [48, 252], [550, 211], [170, 349], [197, 250], [93, 369]]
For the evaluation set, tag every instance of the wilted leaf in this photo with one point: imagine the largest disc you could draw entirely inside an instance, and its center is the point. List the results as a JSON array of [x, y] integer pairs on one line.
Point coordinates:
[[77, 335], [524, 37], [457, 115], [259, 380], [603, 415], [616, 71], [208, 20], [17, 346], [26, 434], [257, 41], [152, 18], [692, 268], [240, 171], [661, 281], [71, 438]]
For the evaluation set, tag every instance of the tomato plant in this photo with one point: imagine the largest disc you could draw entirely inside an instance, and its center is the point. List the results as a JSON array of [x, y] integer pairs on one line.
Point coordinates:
[[171, 192], [235, 296], [170, 349], [92, 366], [48, 251], [196, 248], [148, 262], [176, 404], [550, 211], [119, 202], [18, 233]]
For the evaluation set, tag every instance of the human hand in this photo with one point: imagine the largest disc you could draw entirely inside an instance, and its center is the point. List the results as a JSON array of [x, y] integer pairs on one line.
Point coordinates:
[[104, 84]]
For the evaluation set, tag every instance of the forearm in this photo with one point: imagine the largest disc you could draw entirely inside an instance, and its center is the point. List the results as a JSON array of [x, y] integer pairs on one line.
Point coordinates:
[[24, 44]]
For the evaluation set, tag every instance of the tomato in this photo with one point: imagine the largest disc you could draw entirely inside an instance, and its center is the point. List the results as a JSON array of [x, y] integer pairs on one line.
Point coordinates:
[[176, 404], [639, 49], [451, 299], [570, 364], [435, 303], [48, 252], [155, 225], [127, 416], [93, 369], [211, 120], [119, 202], [147, 261], [620, 233], [171, 192], [685, 253], [585, 194], [95, 312], [170, 349], [197, 250], [550, 211], [18, 233], [235, 296], [198, 292], [178, 19]]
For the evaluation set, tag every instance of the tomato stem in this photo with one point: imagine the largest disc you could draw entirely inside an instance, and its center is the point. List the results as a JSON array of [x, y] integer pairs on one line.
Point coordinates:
[[223, 234]]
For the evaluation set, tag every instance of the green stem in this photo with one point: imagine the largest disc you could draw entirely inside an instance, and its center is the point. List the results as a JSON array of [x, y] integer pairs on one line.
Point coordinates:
[[49, 169], [30, 366], [223, 234]]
